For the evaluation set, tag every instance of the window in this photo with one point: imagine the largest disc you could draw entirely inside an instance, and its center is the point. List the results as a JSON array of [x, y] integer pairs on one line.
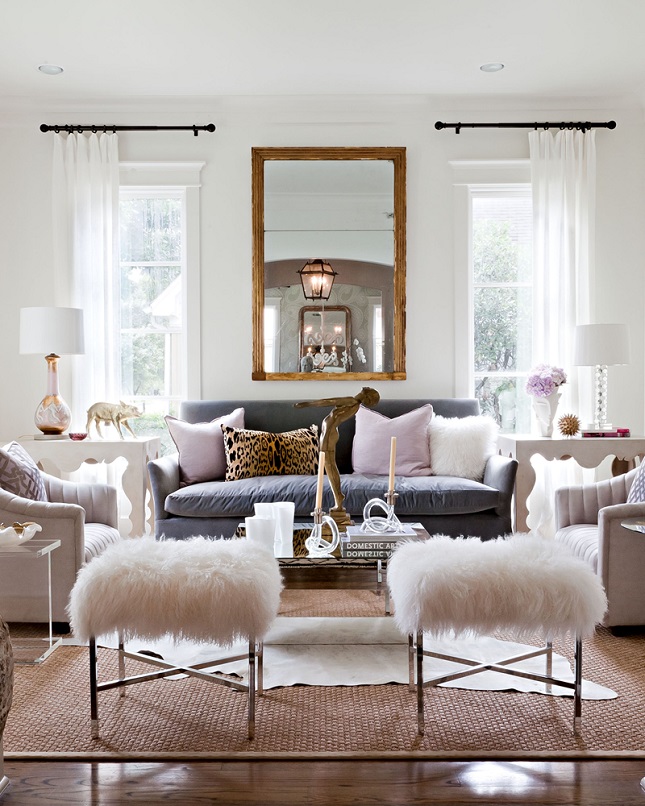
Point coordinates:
[[151, 272], [272, 334], [156, 288], [376, 317], [502, 302]]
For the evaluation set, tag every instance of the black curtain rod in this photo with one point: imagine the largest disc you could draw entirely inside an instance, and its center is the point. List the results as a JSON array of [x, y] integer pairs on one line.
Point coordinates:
[[210, 127], [582, 126]]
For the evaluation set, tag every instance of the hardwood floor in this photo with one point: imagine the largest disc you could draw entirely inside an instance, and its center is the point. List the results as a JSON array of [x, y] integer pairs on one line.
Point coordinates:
[[342, 783]]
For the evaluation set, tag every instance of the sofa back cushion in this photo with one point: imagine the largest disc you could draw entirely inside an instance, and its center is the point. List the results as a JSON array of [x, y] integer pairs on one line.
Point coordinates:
[[461, 446], [201, 446], [280, 415], [250, 454], [371, 448]]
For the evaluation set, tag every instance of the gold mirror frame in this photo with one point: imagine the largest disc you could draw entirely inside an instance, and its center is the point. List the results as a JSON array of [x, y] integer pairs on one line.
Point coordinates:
[[397, 157]]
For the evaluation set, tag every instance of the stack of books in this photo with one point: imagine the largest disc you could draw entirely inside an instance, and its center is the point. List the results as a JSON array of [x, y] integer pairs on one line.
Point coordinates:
[[365, 545], [605, 432]]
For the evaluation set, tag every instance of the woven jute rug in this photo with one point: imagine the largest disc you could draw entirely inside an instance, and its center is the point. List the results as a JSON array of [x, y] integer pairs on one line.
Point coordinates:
[[189, 718]]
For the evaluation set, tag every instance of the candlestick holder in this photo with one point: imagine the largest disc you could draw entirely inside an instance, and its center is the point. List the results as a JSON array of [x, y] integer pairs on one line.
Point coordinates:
[[381, 523], [316, 544]]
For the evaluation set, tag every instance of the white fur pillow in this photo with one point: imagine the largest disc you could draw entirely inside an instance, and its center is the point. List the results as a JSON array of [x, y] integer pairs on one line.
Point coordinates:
[[460, 446]]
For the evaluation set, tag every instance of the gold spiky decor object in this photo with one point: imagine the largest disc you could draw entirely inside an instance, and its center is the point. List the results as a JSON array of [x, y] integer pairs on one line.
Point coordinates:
[[569, 425]]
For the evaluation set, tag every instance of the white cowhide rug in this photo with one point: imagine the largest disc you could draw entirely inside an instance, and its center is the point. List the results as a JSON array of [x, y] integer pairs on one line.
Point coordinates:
[[366, 651]]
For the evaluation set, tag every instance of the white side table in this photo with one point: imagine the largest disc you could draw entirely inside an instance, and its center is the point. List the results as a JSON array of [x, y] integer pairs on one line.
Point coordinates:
[[588, 452], [25, 648], [56, 456]]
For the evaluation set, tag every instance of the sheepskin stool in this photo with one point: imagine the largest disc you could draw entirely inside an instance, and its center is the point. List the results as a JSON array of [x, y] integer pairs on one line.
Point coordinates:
[[210, 591], [523, 583]]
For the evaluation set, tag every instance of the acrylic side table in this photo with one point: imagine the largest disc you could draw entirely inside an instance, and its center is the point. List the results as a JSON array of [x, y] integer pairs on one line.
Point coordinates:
[[56, 456], [587, 451], [25, 648]]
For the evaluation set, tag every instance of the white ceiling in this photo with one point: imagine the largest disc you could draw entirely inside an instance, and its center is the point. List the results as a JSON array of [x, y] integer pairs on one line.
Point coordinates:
[[119, 50]]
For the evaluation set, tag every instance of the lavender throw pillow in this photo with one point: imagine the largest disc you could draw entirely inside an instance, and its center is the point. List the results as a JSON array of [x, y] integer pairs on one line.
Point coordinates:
[[201, 446], [19, 474], [371, 446]]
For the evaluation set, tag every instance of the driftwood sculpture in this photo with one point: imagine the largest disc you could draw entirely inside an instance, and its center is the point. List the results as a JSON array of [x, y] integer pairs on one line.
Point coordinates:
[[344, 408]]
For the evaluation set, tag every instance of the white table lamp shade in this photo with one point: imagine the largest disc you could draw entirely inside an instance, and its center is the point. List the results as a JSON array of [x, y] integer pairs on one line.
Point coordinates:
[[601, 345], [52, 330]]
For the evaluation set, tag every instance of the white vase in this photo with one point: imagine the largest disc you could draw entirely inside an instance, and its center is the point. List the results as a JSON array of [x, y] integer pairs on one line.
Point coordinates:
[[545, 409]]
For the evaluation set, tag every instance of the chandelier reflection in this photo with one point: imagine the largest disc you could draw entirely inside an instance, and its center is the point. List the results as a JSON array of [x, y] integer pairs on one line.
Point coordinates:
[[325, 346]]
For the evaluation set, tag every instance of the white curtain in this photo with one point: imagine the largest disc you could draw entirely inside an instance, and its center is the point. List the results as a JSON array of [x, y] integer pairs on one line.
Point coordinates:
[[86, 198], [563, 177], [86, 195]]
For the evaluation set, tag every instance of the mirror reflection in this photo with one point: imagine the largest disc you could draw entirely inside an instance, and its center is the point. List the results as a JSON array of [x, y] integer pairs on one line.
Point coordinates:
[[326, 250], [325, 339]]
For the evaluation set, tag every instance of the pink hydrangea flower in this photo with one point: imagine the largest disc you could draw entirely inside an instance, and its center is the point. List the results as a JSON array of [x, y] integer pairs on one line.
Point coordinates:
[[544, 380]]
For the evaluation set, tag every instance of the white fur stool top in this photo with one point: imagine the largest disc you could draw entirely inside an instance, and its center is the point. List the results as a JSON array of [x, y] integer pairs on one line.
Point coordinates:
[[214, 591], [523, 583]]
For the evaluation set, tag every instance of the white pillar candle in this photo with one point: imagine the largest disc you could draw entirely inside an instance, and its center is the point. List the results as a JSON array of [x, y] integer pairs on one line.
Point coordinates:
[[261, 531], [392, 462], [321, 474]]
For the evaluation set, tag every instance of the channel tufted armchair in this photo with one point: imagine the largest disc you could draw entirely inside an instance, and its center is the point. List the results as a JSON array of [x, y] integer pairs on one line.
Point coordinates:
[[588, 520], [84, 517]]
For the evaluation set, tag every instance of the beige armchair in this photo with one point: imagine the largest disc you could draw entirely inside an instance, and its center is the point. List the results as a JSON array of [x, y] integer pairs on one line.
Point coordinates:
[[83, 517], [588, 520]]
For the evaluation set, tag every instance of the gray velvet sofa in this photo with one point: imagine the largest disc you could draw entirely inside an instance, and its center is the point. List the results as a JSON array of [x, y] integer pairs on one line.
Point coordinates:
[[443, 504]]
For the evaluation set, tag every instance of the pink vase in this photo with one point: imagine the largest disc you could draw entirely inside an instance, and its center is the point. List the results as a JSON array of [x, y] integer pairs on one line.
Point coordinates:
[[52, 415]]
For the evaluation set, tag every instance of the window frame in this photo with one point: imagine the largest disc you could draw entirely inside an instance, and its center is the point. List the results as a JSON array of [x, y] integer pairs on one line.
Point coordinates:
[[182, 180], [472, 177]]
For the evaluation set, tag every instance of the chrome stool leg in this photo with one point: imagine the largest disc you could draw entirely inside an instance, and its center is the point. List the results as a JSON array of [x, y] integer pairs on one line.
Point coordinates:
[[577, 692], [94, 699], [251, 719], [419, 653]]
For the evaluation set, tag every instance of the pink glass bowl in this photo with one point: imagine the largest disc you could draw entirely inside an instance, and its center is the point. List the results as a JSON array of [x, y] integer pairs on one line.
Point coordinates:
[[77, 436]]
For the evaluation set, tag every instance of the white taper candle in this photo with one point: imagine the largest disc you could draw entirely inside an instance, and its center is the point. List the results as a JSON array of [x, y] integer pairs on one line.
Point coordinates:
[[321, 474], [392, 462]]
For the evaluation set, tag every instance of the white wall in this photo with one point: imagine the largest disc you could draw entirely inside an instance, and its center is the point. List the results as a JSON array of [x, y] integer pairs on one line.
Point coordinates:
[[26, 276]]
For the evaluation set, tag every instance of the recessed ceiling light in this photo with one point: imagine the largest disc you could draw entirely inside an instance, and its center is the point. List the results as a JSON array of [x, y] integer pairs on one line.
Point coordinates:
[[50, 69], [492, 67]]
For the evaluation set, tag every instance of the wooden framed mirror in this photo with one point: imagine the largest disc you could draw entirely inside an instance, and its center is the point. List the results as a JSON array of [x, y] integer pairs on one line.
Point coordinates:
[[344, 208]]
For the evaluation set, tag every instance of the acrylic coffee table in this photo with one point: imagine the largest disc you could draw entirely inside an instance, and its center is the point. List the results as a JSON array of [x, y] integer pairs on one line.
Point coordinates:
[[302, 572], [29, 651]]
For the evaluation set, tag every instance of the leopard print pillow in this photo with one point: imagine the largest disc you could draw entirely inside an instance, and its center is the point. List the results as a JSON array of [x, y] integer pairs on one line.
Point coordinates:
[[261, 453]]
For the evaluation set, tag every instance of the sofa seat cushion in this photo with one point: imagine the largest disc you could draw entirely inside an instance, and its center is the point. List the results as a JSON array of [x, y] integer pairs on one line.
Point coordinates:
[[235, 499], [421, 495], [418, 495], [582, 539]]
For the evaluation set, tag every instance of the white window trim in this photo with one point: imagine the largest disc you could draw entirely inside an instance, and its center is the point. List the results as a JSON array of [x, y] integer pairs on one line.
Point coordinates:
[[184, 177], [469, 178]]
